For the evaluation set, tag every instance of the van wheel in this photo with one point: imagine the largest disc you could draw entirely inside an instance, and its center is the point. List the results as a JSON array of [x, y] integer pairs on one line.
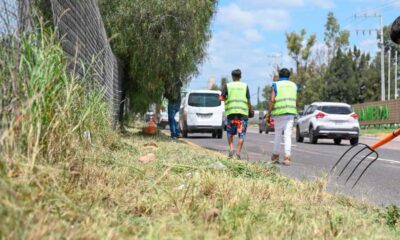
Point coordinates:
[[214, 134], [313, 138], [266, 131], [220, 134], [184, 131]]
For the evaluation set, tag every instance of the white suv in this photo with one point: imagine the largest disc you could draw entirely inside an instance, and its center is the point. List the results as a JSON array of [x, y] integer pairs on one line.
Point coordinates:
[[335, 121]]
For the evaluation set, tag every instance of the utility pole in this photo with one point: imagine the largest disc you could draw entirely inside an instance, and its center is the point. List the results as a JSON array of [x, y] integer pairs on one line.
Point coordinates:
[[276, 60], [382, 63], [389, 63], [396, 91], [379, 16]]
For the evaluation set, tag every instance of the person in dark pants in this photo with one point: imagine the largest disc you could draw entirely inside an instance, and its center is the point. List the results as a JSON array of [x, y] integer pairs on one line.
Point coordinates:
[[173, 95]]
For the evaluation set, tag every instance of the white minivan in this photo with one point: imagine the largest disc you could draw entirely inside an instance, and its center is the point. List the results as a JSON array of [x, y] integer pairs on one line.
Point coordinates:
[[202, 111]]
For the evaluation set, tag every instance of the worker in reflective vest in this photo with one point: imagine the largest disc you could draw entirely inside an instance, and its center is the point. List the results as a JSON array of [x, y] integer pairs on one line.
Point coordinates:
[[237, 104], [282, 107]]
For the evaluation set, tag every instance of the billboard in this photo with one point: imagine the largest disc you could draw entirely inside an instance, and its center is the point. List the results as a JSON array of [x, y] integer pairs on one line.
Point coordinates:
[[376, 113]]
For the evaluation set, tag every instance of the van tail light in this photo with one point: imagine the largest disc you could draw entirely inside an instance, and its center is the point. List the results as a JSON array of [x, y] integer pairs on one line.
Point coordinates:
[[321, 115], [354, 115]]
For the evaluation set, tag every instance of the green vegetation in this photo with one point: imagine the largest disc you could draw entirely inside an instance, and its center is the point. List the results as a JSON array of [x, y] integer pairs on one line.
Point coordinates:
[[377, 131], [160, 42], [337, 72], [57, 182], [65, 174]]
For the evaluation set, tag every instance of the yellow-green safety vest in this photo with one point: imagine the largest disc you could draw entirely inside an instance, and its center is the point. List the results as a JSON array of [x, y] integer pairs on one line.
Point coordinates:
[[237, 102], [285, 101]]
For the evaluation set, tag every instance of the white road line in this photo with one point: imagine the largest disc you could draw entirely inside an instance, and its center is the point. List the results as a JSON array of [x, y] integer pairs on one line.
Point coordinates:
[[293, 145], [324, 154]]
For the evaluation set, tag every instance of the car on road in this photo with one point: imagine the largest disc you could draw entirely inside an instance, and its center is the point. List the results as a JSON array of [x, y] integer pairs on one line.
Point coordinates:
[[263, 126], [163, 119], [328, 120], [202, 111]]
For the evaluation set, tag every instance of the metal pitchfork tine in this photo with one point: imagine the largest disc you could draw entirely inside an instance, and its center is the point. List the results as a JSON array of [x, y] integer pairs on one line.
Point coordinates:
[[372, 151]]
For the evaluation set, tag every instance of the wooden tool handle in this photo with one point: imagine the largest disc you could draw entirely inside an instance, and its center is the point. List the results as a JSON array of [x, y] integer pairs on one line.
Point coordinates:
[[386, 139]]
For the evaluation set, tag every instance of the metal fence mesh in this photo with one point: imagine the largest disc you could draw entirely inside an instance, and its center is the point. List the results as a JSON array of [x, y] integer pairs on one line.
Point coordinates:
[[84, 40], [83, 37]]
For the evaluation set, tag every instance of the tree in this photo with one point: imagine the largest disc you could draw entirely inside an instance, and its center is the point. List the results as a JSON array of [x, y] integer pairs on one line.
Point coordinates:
[[224, 82], [215, 87], [300, 50], [334, 38], [159, 42]]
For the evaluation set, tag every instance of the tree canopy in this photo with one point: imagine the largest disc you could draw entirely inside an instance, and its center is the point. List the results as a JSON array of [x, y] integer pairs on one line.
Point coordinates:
[[159, 42]]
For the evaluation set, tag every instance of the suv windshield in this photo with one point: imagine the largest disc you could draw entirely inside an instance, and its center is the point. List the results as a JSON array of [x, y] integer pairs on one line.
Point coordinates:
[[336, 110], [204, 100]]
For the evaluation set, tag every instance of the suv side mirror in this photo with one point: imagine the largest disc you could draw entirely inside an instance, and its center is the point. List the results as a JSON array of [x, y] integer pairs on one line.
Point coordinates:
[[301, 113]]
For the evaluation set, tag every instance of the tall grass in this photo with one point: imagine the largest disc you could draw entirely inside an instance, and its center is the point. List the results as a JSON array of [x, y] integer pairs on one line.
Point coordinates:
[[52, 109]]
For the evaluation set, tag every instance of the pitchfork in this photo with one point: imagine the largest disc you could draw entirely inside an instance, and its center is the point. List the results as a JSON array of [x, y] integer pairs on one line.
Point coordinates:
[[370, 152]]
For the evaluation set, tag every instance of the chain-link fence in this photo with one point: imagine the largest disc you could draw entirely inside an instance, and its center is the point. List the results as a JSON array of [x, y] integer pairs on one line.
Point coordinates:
[[83, 37]]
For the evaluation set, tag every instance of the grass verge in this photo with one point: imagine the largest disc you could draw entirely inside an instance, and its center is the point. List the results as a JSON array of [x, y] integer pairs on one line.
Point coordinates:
[[56, 182], [377, 132], [110, 193]]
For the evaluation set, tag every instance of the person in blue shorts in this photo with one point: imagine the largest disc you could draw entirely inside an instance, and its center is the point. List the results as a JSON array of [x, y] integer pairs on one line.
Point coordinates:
[[237, 104]]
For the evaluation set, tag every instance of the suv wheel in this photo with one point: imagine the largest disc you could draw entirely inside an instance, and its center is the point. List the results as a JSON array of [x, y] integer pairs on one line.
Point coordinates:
[[299, 138], [337, 141], [313, 138], [354, 141], [260, 131]]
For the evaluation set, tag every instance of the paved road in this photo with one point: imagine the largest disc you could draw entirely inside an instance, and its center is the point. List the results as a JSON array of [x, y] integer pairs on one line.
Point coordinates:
[[380, 184]]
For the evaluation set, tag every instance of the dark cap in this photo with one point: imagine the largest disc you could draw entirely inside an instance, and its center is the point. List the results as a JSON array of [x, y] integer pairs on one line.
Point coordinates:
[[284, 73], [237, 73], [395, 31]]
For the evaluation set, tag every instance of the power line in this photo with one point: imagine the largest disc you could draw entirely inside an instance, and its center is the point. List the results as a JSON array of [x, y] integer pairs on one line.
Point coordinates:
[[380, 17]]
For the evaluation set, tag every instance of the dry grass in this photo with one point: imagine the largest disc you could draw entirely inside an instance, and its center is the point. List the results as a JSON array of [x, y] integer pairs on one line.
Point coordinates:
[[54, 183], [109, 193]]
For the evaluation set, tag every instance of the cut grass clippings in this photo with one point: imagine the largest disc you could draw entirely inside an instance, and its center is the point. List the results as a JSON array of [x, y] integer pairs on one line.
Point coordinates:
[[110, 194]]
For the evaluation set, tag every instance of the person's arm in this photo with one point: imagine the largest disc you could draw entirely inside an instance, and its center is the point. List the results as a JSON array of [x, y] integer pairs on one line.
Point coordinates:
[[224, 93], [271, 103], [248, 97]]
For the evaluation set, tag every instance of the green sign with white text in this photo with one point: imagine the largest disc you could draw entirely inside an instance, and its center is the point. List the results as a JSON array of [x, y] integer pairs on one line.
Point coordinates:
[[373, 113]]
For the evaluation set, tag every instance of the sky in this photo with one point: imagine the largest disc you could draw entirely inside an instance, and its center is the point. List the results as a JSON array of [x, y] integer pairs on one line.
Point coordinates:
[[249, 34]]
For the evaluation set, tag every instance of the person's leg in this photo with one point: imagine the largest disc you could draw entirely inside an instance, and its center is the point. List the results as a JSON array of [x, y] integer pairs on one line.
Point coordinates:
[[231, 131], [289, 120], [278, 135], [171, 120], [177, 128], [242, 135]]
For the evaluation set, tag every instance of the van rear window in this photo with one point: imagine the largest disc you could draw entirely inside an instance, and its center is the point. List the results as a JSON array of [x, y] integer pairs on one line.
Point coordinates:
[[204, 100], [336, 110]]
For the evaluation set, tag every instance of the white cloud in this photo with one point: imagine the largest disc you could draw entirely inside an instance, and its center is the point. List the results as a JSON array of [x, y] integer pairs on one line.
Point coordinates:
[[233, 16], [253, 35], [325, 4], [273, 3]]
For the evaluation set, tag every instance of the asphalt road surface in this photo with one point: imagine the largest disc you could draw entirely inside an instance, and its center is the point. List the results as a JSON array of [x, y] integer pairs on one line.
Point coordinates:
[[379, 185]]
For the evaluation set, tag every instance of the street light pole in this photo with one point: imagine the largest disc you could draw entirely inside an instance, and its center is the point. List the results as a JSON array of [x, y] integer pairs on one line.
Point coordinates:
[[383, 90], [396, 91], [389, 63]]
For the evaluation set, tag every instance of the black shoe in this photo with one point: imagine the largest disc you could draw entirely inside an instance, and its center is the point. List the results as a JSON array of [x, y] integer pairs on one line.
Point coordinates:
[[237, 156], [231, 154]]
